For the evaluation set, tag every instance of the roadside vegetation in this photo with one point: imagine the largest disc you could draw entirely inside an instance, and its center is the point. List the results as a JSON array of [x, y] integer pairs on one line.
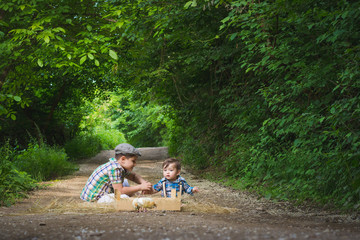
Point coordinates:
[[22, 169], [262, 95]]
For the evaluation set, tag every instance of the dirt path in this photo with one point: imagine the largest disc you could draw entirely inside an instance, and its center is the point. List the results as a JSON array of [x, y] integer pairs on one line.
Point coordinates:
[[215, 213]]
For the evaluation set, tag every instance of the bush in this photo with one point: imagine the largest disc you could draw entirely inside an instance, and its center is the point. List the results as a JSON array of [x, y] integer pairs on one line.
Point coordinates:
[[44, 162], [109, 139], [89, 144], [14, 184], [82, 146]]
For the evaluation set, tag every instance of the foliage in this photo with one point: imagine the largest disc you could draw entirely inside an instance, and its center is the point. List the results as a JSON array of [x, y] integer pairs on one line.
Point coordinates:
[[83, 146], [14, 184], [265, 91], [109, 138], [88, 144], [300, 96], [97, 131], [43, 162], [310, 137], [55, 56], [144, 123]]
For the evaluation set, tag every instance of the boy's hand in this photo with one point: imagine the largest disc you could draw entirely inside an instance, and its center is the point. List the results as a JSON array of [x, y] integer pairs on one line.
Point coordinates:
[[195, 190], [145, 186], [151, 191]]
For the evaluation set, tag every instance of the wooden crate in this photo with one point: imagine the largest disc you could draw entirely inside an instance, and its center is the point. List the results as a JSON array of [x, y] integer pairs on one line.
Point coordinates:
[[162, 203]]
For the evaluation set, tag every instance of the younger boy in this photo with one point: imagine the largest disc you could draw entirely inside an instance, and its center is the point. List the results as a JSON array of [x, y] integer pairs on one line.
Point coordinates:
[[112, 174], [172, 179]]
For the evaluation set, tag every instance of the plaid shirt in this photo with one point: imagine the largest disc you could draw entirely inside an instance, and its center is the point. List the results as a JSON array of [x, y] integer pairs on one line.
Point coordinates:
[[173, 185], [101, 180]]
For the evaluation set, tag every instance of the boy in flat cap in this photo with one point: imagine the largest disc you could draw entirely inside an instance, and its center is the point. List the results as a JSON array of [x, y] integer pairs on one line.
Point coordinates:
[[112, 175]]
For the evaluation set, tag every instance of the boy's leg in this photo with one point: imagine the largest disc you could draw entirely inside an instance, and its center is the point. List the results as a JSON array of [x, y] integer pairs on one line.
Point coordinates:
[[107, 198], [110, 197]]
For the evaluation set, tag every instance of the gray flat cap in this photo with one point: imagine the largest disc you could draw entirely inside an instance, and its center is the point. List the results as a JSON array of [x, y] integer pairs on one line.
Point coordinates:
[[125, 148]]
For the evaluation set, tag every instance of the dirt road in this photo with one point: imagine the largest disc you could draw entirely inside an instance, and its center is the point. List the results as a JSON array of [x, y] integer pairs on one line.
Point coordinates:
[[215, 213]]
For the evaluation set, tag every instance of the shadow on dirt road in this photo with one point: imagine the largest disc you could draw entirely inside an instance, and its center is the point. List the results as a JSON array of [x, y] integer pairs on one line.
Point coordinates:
[[216, 212]]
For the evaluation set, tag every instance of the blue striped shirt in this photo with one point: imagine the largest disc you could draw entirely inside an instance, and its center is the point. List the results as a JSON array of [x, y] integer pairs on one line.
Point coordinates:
[[173, 185]]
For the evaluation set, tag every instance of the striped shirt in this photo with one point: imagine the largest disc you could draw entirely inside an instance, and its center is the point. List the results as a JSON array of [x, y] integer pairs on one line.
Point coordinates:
[[173, 185], [101, 180]]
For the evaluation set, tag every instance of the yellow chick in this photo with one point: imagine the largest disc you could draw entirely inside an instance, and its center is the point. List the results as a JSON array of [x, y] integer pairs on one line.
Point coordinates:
[[142, 204]]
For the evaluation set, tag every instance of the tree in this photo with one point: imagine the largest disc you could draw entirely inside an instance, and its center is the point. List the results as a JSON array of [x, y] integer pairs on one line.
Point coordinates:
[[55, 52]]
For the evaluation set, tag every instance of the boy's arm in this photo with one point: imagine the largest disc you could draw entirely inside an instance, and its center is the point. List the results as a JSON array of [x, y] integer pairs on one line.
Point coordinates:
[[188, 189], [144, 186], [155, 188], [151, 191], [195, 189], [135, 178]]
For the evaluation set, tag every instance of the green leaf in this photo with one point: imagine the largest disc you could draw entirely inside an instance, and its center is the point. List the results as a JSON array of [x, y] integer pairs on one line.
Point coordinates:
[[47, 39], [187, 5], [90, 56], [225, 19], [13, 117], [40, 63], [119, 24], [333, 110], [233, 36], [192, 3], [113, 54], [17, 98], [97, 63], [83, 59]]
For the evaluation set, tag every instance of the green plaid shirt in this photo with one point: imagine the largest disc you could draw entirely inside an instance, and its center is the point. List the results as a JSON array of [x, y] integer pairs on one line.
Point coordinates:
[[101, 180]]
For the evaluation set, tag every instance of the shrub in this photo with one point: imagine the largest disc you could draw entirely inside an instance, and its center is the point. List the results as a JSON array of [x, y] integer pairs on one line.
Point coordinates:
[[109, 139], [44, 162], [14, 184], [89, 144], [82, 146]]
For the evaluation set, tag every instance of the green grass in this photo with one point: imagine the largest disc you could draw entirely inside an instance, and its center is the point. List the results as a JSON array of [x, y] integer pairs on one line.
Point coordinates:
[[14, 184]]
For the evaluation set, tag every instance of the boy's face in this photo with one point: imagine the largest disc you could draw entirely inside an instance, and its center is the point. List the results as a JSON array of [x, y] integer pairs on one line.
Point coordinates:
[[128, 163], [171, 172]]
